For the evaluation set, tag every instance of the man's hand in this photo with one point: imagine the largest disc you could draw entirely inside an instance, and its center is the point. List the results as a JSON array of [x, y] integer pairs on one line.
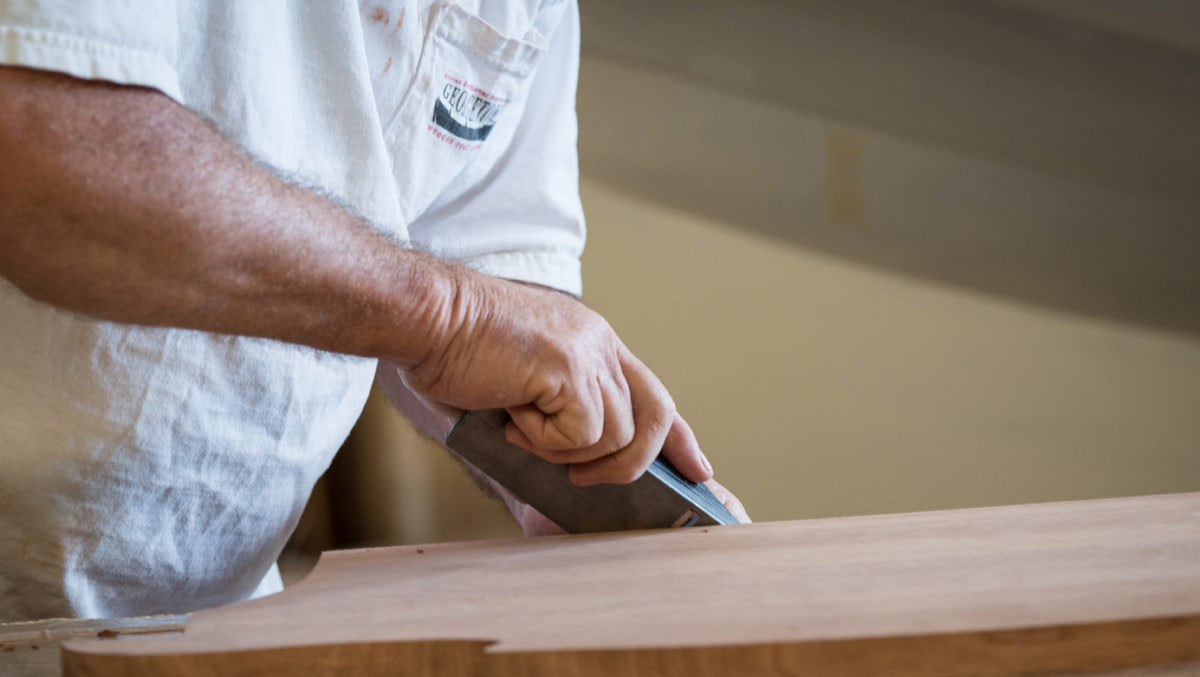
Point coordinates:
[[576, 394], [436, 420]]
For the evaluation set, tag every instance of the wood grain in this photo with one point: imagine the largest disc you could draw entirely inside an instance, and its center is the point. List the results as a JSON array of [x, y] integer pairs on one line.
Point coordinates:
[[1064, 587], [57, 629]]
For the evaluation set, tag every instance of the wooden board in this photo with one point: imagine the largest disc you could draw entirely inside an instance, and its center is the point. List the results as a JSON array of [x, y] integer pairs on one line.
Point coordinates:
[[1066, 587], [32, 647]]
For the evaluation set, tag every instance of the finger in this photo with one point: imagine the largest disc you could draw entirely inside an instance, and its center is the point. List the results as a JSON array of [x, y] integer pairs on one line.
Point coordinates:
[[731, 502], [514, 435], [683, 451], [653, 415], [572, 418], [618, 424]]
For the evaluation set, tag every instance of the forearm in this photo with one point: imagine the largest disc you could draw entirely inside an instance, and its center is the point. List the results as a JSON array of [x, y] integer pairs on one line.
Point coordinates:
[[117, 203]]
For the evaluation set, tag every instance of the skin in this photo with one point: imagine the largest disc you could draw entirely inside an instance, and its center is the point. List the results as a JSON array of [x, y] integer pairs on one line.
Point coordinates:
[[436, 420], [119, 204]]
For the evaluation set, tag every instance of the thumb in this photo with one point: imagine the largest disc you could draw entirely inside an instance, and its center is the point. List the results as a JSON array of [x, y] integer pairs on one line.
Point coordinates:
[[683, 451]]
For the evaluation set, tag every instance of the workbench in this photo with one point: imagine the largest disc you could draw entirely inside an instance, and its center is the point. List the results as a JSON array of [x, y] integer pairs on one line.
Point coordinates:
[[1075, 587]]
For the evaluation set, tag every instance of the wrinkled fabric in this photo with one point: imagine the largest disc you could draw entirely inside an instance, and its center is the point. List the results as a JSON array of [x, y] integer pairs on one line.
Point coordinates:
[[153, 470]]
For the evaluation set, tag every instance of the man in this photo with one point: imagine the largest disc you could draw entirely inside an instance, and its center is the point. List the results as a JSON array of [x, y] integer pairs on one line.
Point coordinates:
[[210, 222]]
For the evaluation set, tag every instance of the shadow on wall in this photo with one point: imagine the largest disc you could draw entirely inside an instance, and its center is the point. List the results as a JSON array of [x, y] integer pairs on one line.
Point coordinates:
[[1046, 157]]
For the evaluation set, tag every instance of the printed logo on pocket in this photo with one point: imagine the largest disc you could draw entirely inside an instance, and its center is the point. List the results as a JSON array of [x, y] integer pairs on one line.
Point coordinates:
[[464, 111]]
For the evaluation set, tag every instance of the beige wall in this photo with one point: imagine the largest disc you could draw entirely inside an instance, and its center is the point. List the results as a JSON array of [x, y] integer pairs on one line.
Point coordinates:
[[820, 387], [909, 255], [867, 296]]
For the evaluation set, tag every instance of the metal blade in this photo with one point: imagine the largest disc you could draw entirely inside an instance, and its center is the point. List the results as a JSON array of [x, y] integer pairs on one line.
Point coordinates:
[[660, 498]]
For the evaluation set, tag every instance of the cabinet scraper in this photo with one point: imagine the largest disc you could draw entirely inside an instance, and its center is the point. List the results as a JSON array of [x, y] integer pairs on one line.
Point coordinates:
[[660, 498]]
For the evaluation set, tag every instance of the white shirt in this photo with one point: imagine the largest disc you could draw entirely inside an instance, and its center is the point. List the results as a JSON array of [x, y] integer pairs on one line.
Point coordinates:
[[148, 470]]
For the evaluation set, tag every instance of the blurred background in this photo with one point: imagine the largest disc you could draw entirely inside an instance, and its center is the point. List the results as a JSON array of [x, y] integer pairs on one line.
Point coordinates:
[[887, 255]]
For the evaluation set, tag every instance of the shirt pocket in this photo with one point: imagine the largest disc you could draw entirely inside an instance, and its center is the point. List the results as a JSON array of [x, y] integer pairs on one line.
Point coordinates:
[[468, 77]]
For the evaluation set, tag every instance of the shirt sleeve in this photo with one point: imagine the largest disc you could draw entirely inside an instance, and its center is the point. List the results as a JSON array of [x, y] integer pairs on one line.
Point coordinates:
[[129, 43], [518, 215]]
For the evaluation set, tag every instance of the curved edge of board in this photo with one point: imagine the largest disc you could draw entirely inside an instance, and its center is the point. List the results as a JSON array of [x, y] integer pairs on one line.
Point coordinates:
[[1075, 649], [1080, 586]]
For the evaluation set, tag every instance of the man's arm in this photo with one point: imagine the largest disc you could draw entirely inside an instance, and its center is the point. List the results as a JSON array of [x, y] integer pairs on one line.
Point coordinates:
[[117, 203]]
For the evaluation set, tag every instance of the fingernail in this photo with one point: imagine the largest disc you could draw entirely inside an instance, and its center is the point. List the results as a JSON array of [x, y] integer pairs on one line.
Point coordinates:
[[704, 461]]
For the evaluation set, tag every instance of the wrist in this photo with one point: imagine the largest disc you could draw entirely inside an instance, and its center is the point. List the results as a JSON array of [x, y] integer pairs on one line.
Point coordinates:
[[432, 307]]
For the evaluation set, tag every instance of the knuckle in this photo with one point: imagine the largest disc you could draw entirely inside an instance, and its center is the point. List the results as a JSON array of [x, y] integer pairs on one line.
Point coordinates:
[[661, 420], [623, 433], [592, 434], [624, 437], [580, 425]]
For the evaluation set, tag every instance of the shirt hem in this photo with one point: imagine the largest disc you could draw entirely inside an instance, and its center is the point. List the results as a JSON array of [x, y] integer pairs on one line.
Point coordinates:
[[87, 59], [550, 269]]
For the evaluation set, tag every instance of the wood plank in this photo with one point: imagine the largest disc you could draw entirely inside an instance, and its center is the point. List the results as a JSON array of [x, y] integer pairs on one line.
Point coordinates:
[[32, 647], [57, 629], [1079, 586]]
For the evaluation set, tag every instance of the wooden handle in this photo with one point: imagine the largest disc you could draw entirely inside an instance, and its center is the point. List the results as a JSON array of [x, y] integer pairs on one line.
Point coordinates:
[[660, 498]]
